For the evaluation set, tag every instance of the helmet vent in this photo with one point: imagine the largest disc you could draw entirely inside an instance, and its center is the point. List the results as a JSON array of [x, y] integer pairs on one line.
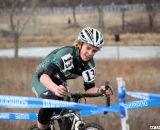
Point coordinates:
[[97, 36], [89, 35]]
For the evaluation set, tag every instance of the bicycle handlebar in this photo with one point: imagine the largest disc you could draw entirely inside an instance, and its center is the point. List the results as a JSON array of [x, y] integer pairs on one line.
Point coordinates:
[[78, 96], [81, 95]]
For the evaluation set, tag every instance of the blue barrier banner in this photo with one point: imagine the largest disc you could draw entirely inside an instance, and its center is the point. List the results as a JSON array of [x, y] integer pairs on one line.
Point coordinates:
[[142, 104], [94, 111], [18, 116], [26, 102], [85, 110], [129, 106], [145, 96], [139, 104], [33, 116], [98, 110]]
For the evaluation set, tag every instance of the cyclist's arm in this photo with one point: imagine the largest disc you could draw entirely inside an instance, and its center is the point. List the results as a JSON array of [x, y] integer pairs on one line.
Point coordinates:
[[47, 82], [50, 85]]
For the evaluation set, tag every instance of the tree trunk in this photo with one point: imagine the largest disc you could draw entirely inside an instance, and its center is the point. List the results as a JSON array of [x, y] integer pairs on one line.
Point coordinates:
[[123, 20], [15, 35], [150, 23], [16, 43], [123, 10], [150, 7], [75, 23], [101, 18]]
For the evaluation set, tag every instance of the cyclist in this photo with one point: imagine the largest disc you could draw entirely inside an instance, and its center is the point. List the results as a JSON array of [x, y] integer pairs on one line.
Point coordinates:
[[67, 62]]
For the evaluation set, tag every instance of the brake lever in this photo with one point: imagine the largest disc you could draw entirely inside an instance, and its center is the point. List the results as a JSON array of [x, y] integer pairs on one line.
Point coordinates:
[[108, 86], [108, 100]]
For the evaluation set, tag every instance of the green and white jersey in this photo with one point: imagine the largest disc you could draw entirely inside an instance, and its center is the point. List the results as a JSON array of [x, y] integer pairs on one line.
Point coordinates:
[[67, 63]]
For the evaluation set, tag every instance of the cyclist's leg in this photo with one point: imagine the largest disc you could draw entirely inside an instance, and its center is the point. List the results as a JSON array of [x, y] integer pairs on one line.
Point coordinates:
[[45, 114]]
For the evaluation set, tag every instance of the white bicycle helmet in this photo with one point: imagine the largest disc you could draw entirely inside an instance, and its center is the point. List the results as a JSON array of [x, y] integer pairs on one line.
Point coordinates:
[[91, 36]]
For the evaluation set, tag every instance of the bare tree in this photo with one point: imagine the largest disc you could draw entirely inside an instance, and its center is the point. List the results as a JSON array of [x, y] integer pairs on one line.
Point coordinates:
[[152, 7], [73, 4], [64, 3], [99, 5], [101, 23], [123, 11], [16, 24], [100, 9]]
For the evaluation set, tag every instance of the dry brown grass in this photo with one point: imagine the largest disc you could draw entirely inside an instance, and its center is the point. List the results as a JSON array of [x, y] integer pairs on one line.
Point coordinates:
[[49, 30], [43, 41], [140, 75]]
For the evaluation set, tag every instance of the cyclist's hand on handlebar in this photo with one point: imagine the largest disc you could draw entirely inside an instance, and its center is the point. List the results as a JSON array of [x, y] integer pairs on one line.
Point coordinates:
[[60, 91], [105, 91]]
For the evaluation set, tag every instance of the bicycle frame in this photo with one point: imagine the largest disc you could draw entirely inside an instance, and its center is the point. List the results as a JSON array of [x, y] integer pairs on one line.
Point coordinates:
[[75, 118]]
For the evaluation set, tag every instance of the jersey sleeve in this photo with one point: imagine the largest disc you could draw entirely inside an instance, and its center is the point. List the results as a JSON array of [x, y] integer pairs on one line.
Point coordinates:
[[53, 70], [64, 59]]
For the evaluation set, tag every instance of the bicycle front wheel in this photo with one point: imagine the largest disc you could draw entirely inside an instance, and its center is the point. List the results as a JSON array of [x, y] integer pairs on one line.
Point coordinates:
[[92, 126]]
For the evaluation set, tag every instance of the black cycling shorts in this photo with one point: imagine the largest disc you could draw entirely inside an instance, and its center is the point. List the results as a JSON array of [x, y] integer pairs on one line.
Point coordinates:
[[45, 114]]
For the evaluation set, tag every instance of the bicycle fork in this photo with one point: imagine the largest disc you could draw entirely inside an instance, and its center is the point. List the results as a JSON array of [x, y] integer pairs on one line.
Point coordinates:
[[77, 122]]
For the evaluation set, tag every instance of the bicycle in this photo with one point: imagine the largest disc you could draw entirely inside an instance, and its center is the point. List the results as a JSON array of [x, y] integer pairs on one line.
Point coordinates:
[[71, 119]]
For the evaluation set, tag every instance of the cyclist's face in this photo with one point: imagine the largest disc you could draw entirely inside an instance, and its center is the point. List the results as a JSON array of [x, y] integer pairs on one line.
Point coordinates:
[[87, 51]]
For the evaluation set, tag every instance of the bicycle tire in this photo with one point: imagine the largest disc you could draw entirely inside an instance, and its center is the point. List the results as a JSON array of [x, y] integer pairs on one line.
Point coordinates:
[[34, 127], [92, 126]]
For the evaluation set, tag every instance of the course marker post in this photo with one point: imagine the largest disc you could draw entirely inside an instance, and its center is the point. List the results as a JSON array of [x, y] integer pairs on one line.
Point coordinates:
[[123, 110]]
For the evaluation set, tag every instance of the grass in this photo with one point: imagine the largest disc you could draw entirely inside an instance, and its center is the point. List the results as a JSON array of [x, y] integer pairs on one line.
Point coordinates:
[[53, 29], [140, 75]]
